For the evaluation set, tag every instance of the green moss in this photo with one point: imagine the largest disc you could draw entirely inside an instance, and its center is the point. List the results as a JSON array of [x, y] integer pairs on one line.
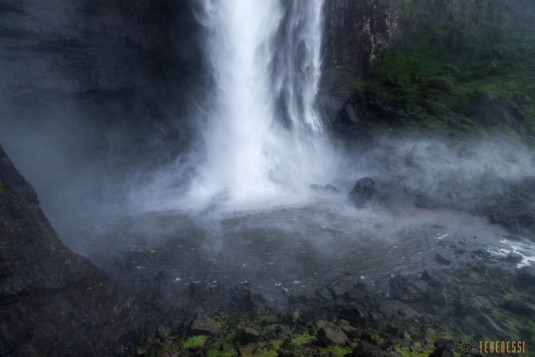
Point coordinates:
[[302, 339], [277, 343], [223, 324], [260, 318], [437, 89], [257, 350], [213, 352], [195, 341], [223, 343], [338, 351], [376, 337]]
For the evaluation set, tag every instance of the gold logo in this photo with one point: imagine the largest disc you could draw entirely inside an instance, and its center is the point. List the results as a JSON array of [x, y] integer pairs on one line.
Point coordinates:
[[467, 346], [502, 347]]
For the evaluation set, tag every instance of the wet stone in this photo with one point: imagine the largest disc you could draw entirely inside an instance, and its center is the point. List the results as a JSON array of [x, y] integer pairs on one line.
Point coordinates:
[[407, 289], [525, 277], [331, 337], [346, 285], [363, 192], [202, 324], [273, 319], [347, 328], [365, 349], [442, 352], [518, 307], [366, 337], [440, 259], [250, 334], [513, 258]]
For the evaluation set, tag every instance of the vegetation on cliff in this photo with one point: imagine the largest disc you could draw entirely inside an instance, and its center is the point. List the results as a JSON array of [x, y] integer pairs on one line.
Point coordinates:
[[463, 69]]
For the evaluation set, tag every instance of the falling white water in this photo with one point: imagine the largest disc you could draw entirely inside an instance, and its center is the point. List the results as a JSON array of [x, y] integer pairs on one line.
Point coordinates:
[[263, 137]]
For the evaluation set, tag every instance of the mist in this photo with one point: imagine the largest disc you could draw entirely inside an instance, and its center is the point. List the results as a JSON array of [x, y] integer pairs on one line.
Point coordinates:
[[211, 138]]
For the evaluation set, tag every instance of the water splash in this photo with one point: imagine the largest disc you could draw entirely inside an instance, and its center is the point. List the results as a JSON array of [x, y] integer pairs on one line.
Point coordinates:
[[263, 137]]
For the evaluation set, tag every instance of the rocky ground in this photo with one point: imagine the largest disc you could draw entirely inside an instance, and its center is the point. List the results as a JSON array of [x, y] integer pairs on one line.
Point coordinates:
[[444, 312], [444, 290]]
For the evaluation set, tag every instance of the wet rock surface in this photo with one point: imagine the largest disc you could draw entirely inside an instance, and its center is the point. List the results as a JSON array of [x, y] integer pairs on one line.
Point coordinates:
[[302, 303], [379, 324], [52, 301], [363, 192]]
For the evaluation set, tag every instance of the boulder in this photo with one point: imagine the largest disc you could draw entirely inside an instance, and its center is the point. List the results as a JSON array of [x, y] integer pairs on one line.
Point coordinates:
[[408, 289], [442, 352], [518, 307], [363, 192], [440, 259], [365, 349], [347, 328], [525, 277], [393, 309], [250, 335], [330, 337], [347, 286], [513, 258], [203, 325]]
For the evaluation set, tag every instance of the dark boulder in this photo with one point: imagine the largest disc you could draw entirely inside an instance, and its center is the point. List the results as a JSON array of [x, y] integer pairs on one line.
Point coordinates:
[[330, 337], [439, 258], [349, 286], [525, 277], [518, 307], [202, 324], [408, 289], [513, 258], [442, 352], [365, 349], [363, 192], [250, 334]]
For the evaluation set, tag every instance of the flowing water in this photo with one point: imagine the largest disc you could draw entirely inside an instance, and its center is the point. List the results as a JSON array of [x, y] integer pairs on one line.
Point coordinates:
[[263, 137]]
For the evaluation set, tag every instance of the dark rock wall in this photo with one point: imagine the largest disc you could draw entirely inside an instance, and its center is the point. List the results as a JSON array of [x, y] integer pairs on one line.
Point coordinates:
[[52, 302], [121, 69], [356, 32], [93, 92], [106, 63]]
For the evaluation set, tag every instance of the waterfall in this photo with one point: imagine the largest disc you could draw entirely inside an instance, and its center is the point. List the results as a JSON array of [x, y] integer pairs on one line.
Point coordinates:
[[263, 136]]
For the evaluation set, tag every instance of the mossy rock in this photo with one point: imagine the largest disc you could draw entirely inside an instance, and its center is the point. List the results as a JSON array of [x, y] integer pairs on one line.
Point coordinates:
[[195, 341]]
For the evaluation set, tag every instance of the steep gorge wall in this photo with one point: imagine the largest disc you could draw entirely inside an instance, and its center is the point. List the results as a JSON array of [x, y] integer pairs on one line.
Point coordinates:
[[52, 302], [110, 77], [92, 91], [356, 32]]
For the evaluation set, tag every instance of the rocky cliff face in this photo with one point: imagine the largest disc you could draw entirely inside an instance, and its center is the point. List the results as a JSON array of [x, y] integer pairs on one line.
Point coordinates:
[[95, 89], [356, 32], [52, 302], [427, 63], [123, 69]]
